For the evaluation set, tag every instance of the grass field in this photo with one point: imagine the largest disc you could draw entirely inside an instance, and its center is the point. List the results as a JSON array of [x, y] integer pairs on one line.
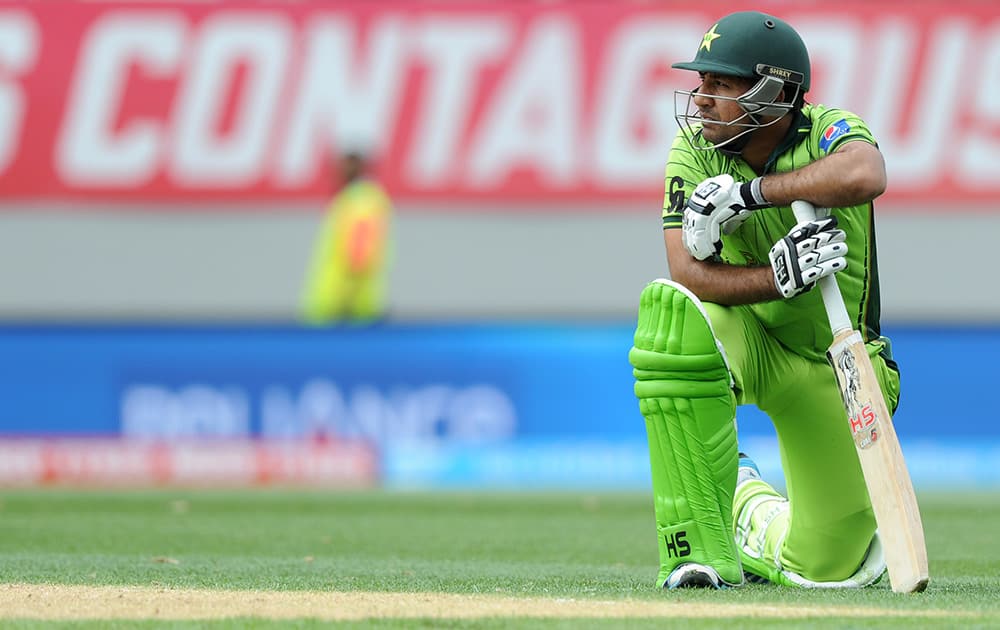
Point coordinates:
[[261, 559]]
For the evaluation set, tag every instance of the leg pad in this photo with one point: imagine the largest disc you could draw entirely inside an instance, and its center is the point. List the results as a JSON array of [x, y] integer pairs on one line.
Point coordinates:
[[685, 395]]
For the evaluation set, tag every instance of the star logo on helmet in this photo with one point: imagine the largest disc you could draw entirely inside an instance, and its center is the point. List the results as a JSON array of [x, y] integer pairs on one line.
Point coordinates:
[[710, 36]]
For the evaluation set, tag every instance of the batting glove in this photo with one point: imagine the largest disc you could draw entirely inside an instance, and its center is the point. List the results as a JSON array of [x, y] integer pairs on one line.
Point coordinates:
[[811, 250], [718, 206]]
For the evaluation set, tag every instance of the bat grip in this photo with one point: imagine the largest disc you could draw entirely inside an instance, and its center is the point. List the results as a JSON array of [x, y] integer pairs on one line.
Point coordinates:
[[836, 311]]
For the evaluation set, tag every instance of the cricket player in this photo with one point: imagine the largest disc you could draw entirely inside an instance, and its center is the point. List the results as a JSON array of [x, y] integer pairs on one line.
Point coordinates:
[[737, 323], [347, 275]]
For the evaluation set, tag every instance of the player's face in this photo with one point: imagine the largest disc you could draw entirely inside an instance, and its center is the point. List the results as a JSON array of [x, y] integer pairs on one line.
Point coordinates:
[[713, 111]]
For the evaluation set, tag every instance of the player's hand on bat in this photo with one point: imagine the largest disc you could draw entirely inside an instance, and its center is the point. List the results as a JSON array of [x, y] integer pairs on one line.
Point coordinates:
[[811, 250], [718, 206]]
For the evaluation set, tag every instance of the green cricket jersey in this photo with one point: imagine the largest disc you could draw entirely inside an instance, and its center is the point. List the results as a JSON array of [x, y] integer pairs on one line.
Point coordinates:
[[799, 323]]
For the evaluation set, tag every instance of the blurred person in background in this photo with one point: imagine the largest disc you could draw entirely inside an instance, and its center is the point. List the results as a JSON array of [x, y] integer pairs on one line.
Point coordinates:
[[347, 276], [737, 323]]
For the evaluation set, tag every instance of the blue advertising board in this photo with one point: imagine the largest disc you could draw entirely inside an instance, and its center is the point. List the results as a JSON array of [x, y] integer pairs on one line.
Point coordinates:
[[445, 405]]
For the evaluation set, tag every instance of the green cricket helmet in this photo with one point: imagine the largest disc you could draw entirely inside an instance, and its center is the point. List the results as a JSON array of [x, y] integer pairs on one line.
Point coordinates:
[[751, 45]]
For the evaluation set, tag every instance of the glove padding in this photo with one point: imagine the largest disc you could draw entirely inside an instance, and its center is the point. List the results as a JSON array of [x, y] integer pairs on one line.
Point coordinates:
[[718, 206], [812, 250]]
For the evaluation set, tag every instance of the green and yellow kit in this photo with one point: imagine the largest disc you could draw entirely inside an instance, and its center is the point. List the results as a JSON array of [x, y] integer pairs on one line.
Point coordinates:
[[775, 355]]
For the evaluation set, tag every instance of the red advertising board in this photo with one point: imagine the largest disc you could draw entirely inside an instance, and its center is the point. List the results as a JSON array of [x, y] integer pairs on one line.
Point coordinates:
[[122, 462], [551, 103]]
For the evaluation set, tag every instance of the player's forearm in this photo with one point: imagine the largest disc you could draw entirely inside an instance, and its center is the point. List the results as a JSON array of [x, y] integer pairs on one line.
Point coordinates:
[[847, 177], [725, 284]]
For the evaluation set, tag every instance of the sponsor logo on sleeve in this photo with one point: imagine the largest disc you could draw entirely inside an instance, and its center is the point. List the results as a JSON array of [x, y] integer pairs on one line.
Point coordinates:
[[675, 194], [833, 132]]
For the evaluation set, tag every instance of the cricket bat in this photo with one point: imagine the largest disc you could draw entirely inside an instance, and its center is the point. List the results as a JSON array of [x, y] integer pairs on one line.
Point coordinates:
[[889, 487]]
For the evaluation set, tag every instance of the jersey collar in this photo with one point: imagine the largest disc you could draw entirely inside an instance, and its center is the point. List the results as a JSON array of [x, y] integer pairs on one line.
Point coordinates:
[[799, 130]]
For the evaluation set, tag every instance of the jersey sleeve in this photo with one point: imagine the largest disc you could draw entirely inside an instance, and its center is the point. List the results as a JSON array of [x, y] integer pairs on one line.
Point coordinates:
[[833, 127], [685, 170]]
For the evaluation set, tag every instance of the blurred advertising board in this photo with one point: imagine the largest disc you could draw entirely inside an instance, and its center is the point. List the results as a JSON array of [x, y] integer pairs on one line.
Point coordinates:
[[123, 462], [267, 405], [559, 103], [483, 405]]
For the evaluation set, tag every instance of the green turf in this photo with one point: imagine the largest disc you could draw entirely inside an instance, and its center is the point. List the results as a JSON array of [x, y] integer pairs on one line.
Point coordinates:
[[543, 545]]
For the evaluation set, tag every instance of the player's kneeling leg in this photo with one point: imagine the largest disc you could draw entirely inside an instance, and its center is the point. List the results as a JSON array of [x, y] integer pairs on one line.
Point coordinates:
[[685, 394], [761, 516]]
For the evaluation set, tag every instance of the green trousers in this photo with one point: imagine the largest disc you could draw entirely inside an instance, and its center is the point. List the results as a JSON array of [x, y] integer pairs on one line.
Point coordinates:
[[827, 527]]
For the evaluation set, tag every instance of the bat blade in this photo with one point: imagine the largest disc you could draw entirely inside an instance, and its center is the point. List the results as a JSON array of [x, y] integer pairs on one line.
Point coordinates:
[[889, 487]]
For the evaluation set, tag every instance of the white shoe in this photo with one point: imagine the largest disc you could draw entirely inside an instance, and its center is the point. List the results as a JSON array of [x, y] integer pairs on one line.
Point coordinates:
[[694, 575]]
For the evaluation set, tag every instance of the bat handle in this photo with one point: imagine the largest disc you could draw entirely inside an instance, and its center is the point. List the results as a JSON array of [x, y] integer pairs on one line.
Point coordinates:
[[836, 311]]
